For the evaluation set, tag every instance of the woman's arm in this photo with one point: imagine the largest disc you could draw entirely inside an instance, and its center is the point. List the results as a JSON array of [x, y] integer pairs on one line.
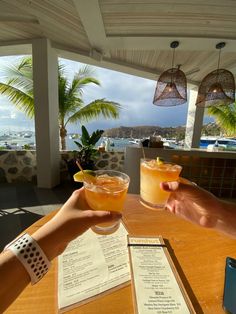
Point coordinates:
[[72, 220], [199, 206]]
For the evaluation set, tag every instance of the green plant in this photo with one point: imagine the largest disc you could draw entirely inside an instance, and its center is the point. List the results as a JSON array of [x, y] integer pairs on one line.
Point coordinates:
[[87, 153], [26, 147]]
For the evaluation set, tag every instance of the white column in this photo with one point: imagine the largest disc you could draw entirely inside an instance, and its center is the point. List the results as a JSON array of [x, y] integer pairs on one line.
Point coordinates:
[[194, 122], [45, 76]]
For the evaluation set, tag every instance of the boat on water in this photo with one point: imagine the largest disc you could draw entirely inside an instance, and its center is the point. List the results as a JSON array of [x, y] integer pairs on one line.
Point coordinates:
[[167, 142], [135, 141], [27, 135], [209, 142]]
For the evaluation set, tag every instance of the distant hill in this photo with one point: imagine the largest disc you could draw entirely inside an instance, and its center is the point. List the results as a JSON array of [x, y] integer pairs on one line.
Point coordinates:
[[144, 131], [147, 130]]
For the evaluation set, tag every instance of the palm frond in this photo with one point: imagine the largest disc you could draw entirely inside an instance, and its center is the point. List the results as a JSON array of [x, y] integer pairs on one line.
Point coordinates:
[[70, 93], [79, 83], [20, 99], [85, 71], [225, 117], [97, 108], [19, 74], [17, 85]]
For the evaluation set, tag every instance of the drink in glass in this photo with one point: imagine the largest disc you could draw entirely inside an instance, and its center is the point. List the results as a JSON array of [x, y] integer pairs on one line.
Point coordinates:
[[152, 173], [107, 191]]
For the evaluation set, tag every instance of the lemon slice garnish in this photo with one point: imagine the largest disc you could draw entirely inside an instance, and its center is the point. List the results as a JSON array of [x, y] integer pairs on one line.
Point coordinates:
[[88, 175], [160, 161]]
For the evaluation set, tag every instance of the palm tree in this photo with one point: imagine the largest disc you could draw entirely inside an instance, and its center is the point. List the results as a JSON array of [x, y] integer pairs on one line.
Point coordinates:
[[17, 85], [225, 117]]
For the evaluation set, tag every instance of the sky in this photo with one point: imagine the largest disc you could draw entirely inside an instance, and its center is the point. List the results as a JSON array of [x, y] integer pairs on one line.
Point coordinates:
[[135, 94]]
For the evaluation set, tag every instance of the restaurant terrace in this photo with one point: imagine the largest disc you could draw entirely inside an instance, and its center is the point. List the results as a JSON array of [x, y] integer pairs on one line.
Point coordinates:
[[133, 37]]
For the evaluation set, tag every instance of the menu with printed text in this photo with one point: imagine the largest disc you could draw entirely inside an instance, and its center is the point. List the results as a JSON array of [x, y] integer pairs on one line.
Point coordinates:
[[92, 265], [157, 288]]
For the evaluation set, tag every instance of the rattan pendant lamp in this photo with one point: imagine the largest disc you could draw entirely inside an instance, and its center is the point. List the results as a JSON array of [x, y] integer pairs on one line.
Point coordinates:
[[218, 87], [171, 89]]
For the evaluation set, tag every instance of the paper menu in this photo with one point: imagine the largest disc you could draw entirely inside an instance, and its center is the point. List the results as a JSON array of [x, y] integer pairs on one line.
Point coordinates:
[[91, 265], [157, 288]]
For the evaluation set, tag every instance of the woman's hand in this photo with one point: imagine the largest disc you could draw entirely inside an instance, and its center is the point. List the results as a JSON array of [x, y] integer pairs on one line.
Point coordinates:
[[73, 219], [189, 201], [192, 203]]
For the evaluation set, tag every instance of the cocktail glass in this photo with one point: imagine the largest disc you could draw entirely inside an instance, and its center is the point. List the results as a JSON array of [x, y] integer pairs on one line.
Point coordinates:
[[107, 192], [152, 173]]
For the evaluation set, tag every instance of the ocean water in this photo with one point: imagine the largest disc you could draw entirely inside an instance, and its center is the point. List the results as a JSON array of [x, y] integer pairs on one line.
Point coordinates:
[[18, 140], [116, 144]]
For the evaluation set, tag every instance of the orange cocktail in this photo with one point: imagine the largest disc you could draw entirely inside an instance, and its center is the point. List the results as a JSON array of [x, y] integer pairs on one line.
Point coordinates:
[[152, 173], [107, 192]]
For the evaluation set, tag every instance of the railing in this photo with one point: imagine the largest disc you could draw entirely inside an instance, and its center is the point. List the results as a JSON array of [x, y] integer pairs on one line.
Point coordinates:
[[214, 171], [20, 166]]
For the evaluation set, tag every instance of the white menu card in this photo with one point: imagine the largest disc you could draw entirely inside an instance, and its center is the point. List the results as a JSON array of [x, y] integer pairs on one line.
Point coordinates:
[[157, 288], [92, 265]]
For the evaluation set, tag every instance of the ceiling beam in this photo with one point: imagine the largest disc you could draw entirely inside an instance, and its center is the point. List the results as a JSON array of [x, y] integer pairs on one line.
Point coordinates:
[[7, 17], [163, 43], [111, 64], [18, 47], [15, 47], [91, 18]]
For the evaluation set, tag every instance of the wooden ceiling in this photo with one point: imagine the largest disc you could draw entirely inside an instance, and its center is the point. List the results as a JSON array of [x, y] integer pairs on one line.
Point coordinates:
[[131, 36]]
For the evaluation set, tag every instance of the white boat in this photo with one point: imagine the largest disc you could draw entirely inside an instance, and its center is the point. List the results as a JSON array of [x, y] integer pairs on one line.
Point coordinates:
[[210, 142], [135, 141], [27, 135], [170, 142]]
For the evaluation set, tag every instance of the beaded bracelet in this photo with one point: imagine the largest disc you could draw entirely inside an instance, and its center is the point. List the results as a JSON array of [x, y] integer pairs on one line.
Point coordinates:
[[30, 254]]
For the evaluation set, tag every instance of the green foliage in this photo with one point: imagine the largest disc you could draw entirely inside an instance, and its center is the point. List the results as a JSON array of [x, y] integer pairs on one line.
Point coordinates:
[[17, 84], [26, 147], [87, 152], [225, 117], [211, 129]]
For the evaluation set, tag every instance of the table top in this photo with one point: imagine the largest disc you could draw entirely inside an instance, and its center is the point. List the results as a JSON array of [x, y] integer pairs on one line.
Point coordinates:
[[199, 256]]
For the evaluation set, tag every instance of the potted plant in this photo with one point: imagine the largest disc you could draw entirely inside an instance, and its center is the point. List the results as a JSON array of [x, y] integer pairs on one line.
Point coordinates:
[[87, 153]]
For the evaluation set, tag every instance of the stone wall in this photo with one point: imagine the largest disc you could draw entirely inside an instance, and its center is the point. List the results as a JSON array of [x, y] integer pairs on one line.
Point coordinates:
[[20, 166]]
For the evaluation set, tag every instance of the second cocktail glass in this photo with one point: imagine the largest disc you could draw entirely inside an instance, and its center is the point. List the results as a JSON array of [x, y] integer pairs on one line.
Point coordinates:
[[152, 173], [106, 192]]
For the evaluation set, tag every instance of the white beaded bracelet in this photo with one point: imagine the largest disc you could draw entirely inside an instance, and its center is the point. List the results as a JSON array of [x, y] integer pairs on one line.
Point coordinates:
[[30, 254]]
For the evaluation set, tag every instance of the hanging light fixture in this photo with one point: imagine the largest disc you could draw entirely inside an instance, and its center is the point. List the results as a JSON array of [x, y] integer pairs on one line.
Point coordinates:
[[171, 89], [218, 87]]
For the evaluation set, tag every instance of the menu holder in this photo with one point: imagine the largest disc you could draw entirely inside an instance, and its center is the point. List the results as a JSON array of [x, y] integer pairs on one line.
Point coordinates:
[[156, 285], [92, 266]]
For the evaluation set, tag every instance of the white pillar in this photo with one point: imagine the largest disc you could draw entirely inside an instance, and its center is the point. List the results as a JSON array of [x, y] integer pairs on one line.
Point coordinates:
[[45, 76], [194, 122]]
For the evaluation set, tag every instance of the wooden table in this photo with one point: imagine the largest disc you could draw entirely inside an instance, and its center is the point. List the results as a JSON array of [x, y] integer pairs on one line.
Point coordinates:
[[199, 256]]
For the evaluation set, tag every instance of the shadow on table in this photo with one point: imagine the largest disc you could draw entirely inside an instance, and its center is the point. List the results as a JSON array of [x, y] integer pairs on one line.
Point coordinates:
[[11, 224], [184, 280]]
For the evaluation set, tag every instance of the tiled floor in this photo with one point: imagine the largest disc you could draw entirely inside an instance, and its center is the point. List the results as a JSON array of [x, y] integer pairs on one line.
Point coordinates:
[[22, 204]]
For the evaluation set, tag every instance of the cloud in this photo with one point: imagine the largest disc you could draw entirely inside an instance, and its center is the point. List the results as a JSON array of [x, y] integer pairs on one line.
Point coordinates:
[[135, 94], [13, 119]]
